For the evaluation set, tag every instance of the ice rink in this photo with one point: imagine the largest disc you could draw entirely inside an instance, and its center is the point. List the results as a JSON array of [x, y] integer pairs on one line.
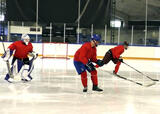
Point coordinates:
[[56, 89]]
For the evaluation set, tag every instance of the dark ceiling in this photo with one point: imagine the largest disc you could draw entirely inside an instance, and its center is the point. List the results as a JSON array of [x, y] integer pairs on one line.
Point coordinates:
[[136, 9]]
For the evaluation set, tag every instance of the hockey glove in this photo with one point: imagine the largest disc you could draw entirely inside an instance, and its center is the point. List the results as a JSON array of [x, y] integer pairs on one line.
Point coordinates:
[[90, 67], [121, 60], [99, 62]]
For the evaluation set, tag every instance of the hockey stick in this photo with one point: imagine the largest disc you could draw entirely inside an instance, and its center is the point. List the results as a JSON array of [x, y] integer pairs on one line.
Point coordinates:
[[140, 72], [131, 80], [7, 62]]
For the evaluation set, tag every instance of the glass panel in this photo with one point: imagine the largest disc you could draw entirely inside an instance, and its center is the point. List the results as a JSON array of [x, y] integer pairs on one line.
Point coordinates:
[[138, 36], [152, 36], [125, 35]]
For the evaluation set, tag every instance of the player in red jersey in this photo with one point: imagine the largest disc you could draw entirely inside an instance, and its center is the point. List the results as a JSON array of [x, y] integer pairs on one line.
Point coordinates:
[[20, 61], [114, 55], [83, 59]]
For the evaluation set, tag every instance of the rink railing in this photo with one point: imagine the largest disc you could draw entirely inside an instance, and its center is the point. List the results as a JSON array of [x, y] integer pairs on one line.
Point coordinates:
[[134, 52]]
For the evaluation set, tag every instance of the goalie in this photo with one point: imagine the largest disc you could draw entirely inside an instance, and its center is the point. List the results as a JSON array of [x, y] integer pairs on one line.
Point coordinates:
[[20, 62]]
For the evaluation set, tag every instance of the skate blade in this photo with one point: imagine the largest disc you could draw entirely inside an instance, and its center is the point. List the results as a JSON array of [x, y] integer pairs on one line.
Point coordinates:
[[97, 92], [92, 92]]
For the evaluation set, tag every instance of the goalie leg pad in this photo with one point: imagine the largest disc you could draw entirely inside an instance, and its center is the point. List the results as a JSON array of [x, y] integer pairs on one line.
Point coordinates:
[[27, 70], [31, 67], [13, 69], [24, 73], [22, 68]]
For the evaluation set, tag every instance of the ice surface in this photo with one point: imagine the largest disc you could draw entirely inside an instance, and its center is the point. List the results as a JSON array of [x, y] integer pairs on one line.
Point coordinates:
[[56, 89]]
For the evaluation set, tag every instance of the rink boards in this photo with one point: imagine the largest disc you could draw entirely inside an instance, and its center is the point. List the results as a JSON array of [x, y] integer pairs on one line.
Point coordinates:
[[134, 52]]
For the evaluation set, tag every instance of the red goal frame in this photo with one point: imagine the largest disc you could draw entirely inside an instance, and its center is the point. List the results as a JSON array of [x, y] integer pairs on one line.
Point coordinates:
[[56, 57]]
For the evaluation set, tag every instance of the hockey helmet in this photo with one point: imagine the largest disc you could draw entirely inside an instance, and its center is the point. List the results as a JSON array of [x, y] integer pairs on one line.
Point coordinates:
[[96, 37]]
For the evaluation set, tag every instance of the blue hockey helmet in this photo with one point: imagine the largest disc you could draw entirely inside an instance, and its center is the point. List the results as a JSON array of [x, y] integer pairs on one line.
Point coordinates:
[[96, 37]]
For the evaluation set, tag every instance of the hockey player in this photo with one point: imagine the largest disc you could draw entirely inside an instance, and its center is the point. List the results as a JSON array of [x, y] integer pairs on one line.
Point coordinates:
[[114, 55], [83, 59], [20, 62]]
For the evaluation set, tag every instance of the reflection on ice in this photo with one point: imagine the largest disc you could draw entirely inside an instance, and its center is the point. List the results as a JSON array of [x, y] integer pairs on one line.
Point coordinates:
[[56, 89]]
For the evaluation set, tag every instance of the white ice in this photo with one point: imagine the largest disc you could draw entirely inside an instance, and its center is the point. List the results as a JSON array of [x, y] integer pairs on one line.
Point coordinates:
[[56, 89]]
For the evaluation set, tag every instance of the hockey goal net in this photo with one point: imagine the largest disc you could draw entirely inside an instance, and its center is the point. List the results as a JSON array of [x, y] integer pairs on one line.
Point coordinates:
[[55, 50]]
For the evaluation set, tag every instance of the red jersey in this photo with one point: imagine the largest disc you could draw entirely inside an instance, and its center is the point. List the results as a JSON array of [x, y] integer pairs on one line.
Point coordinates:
[[117, 51], [21, 50], [85, 53]]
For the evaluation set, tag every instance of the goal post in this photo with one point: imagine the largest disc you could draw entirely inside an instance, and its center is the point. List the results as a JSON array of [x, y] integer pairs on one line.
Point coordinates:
[[55, 50]]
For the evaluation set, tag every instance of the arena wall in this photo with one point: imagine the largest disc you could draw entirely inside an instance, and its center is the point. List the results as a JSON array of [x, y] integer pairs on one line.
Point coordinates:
[[134, 52]]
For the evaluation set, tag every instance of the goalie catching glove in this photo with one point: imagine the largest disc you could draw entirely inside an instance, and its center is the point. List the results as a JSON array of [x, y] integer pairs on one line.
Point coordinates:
[[33, 54]]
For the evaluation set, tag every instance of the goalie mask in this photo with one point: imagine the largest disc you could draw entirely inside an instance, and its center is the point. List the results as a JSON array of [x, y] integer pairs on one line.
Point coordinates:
[[25, 38]]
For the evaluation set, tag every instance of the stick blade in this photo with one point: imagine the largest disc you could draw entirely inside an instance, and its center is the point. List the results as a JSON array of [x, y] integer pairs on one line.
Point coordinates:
[[155, 80], [148, 85]]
